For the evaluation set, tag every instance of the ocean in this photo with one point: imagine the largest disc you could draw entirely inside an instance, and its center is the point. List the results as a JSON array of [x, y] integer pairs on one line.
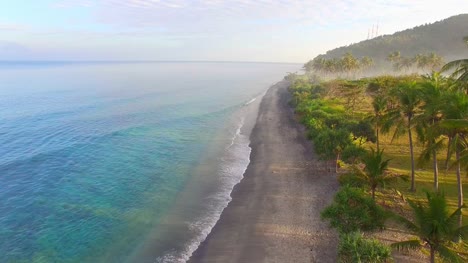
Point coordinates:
[[121, 161]]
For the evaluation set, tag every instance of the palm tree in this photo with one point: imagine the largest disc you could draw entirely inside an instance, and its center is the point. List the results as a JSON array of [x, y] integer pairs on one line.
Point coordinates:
[[317, 64], [462, 124], [349, 63], [394, 56], [456, 112], [428, 132], [408, 96], [434, 226], [332, 66], [366, 62], [375, 172], [459, 69], [421, 61], [403, 63], [379, 105], [434, 61]]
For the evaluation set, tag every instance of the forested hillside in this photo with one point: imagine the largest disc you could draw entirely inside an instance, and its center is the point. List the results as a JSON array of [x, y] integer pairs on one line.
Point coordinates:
[[442, 37]]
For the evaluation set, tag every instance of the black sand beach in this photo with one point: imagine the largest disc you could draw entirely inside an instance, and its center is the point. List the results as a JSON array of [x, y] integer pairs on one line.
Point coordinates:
[[275, 212]]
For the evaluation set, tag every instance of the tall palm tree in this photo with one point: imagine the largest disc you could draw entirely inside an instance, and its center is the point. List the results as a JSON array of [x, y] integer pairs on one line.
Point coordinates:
[[366, 62], [455, 112], [331, 66], [375, 172], [379, 104], [434, 61], [428, 132], [394, 56], [317, 64], [349, 63], [408, 96], [404, 63], [434, 226], [421, 61], [462, 124]]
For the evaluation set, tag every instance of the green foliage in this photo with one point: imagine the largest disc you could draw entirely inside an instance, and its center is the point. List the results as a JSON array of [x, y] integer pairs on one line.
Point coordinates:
[[353, 153], [333, 130], [352, 180], [347, 64], [353, 210], [362, 131], [375, 172], [434, 225], [329, 143], [353, 247]]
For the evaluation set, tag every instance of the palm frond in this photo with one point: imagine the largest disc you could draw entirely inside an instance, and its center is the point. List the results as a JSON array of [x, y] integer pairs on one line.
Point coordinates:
[[454, 64], [407, 223], [408, 244], [462, 232], [426, 153], [463, 76], [449, 255], [454, 124]]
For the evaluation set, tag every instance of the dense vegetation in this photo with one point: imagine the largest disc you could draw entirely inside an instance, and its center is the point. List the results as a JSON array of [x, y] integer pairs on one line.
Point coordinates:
[[351, 67], [380, 129], [442, 38]]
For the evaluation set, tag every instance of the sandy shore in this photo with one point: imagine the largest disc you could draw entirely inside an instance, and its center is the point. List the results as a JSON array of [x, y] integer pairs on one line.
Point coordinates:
[[275, 212]]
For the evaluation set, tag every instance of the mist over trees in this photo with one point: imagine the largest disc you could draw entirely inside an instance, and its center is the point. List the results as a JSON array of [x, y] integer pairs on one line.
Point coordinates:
[[419, 115], [441, 38]]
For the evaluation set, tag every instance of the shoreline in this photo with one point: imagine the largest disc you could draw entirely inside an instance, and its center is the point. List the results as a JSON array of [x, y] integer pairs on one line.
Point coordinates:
[[274, 214], [200, 203]]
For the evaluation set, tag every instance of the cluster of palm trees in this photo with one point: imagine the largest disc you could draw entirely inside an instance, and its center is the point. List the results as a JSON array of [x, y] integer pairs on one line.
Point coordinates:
[[435, 108], [347, 65], [423, 62]]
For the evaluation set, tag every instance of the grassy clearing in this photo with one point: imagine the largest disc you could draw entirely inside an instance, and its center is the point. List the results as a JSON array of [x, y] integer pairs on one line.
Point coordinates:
[[398, 152]]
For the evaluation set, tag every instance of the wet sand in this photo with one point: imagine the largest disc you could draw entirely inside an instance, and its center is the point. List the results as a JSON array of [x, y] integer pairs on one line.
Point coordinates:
[[274, 215]]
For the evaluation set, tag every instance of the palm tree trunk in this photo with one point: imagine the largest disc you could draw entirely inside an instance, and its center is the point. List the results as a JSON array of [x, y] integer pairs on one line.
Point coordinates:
[[377, 137], [459, 179], [432, 255], [336, 162], [448, 153], [413, 188], [436, 170], [460, 189]]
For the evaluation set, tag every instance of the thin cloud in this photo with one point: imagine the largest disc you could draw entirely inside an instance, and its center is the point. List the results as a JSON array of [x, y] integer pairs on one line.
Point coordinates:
[[12, 27], [275, 30]]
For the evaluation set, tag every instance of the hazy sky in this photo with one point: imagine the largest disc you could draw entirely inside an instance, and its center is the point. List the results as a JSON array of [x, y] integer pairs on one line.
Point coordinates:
[[238, 30]]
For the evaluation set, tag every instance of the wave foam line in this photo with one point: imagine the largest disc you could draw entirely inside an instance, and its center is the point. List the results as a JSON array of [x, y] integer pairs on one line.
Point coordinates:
[[234, 165]]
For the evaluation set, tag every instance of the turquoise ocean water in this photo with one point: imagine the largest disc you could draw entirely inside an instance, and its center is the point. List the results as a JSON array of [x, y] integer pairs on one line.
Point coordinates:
[[121, 162]]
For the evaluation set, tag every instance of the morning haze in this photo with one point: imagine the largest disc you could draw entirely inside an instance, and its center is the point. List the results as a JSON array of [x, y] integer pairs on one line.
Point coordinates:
[[233, 131]]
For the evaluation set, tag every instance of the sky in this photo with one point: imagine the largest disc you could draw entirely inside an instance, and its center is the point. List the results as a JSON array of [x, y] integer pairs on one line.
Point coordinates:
[[202, 30]]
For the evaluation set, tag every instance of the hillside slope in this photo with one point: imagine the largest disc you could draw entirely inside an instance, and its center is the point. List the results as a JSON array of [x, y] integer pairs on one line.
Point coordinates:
[[443, 37]]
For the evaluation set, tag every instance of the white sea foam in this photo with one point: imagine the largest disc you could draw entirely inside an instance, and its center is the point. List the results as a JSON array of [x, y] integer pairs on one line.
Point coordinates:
[[231, 171], [250, 101]]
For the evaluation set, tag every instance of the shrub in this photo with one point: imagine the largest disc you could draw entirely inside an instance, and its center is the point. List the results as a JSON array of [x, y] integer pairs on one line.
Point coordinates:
[[353, 210], [352, 153], [351, 179], [353, 247]]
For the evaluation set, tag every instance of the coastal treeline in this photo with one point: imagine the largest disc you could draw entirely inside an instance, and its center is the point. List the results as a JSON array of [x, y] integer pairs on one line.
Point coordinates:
[[390, 137], [351, 67]]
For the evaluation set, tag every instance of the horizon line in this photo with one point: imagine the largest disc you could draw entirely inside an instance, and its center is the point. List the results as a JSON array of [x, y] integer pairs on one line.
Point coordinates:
[[145, 61]]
